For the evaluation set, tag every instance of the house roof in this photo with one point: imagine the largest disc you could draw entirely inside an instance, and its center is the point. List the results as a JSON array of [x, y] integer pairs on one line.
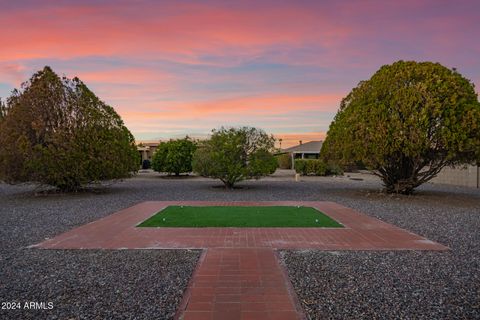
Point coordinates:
[[307, 147], [152, 144], [149, 143]]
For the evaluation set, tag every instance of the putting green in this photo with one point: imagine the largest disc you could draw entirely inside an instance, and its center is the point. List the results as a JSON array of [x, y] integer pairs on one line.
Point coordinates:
[[240, 216]]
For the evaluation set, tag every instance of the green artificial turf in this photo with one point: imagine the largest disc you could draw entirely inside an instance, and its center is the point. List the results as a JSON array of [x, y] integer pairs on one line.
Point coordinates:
[[241, 216]]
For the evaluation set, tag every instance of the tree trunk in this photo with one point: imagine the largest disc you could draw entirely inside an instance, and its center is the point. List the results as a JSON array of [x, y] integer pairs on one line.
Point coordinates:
[[401, 187], [228, 185], [401, 176]]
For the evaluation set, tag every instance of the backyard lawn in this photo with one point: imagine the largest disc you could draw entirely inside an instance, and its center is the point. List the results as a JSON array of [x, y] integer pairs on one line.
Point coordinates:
[[240, 216]]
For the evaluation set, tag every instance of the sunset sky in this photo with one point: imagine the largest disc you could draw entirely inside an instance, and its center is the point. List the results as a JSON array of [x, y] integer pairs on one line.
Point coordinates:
[[172, 68]]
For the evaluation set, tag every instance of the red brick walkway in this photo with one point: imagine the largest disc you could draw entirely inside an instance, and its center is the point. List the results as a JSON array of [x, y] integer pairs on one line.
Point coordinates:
[[240, 284], [239, 276]]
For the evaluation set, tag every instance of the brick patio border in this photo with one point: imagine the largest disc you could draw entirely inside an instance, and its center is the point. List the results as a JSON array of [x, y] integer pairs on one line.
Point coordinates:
[[119, 231]]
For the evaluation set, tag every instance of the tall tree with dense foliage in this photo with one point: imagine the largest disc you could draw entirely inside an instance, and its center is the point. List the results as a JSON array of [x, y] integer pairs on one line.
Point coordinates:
[[174, 156], [57, 132], [406, 123], [236, 154]]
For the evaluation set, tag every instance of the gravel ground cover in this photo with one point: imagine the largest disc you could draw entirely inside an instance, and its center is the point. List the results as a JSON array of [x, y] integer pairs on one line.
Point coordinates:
[[398, 284], [94, 284], [144, 285]]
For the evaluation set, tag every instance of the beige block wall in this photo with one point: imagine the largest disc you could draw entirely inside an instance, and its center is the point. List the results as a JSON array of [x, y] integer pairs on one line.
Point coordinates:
[[461, 176]]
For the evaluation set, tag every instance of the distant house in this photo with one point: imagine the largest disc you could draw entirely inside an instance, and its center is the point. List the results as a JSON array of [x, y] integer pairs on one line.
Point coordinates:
[[308, 150], [147, 149]]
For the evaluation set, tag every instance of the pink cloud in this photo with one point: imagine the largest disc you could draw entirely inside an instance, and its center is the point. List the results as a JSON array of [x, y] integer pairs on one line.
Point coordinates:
[[12, 73], [269, 105], [274, 113], [124, 75], [182, 32]]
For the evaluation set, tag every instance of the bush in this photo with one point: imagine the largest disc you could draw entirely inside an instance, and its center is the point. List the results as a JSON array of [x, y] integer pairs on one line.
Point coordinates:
[[310, 167], [235, 154], [406, 123], [58, 132], [146, 164], [300, 166], [334, 169], [284, 161], [261, 163], [174, 156], [316, 167]]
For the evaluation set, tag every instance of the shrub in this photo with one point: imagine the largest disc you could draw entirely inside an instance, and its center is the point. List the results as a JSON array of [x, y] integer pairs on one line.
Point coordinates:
[[284, 161], [316, 167], [300, 166], [406, 123], [261, 163], [235, 154], [174, 156], [58, 132], [310, 167], [334, 169]]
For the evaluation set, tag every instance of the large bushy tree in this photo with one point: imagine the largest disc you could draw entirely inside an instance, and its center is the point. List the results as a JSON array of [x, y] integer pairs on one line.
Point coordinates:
[[57, 132], [406, 123], [174, 156], [236, 154]]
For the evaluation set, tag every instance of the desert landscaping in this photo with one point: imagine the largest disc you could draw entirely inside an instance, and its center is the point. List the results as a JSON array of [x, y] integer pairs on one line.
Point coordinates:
[[149, 283]]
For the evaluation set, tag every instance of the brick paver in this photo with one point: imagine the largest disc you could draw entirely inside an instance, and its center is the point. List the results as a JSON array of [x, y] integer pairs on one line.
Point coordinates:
[[239, 276], [240, 284]]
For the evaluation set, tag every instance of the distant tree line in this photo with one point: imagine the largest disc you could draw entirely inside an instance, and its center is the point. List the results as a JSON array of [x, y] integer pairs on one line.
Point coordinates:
[[230, 155]]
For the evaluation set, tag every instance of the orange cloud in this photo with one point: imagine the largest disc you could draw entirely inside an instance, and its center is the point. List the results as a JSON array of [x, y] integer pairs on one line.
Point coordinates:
[[266, 105], [273, 113]]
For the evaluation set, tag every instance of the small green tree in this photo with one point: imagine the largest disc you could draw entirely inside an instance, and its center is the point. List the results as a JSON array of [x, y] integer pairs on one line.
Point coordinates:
[[174, 156], [236, 154], [57, 132], [406, 123]]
